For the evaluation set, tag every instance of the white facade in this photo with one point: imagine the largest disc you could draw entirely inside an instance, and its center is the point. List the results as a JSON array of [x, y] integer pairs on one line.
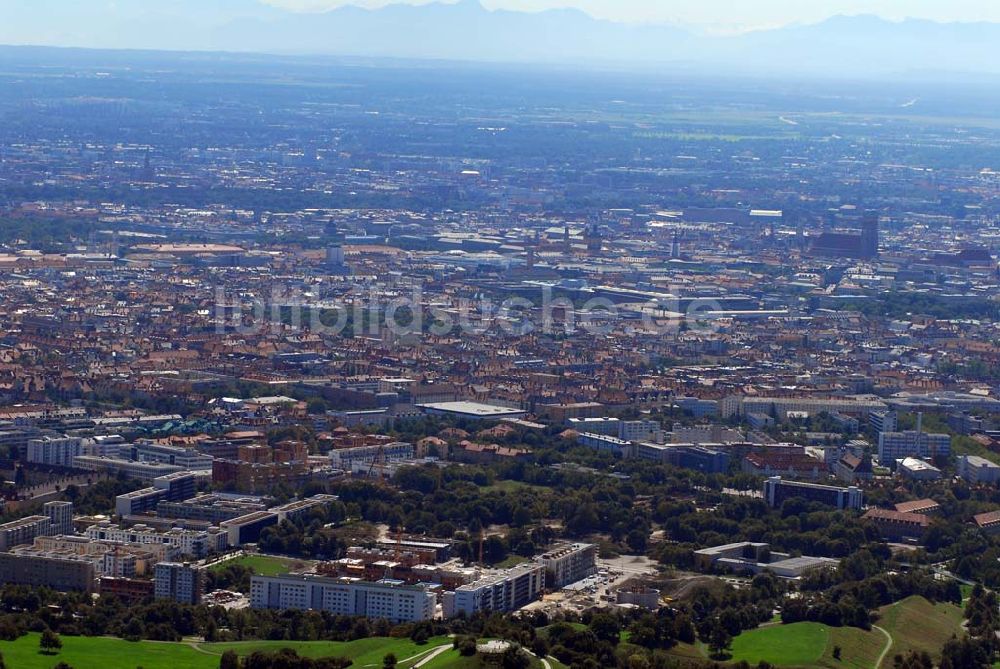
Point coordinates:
[[567, 565], [502, 592], [391, 600], [894, 446], [60, 515], [179, 582], [58, 451], [975, 469], [189, 542]]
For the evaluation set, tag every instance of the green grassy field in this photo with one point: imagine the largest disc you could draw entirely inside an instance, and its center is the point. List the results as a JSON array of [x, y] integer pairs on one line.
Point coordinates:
[[799, 645], [916, 624], [104, 652], [263, 565]]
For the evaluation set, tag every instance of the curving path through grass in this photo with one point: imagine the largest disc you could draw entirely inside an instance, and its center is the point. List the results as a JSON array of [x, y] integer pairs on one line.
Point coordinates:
[[888, 645]]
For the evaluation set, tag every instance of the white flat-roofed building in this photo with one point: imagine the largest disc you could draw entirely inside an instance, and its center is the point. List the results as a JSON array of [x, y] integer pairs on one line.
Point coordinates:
[[186, 458], [189, 542], [391, 600], [58, 451], [781, 406], [917, 469], [502, 592], [141, 471], [595, 425], [894, 446], [473, 410], [569, 564], [975, 469], [345, 458], [606, 444]]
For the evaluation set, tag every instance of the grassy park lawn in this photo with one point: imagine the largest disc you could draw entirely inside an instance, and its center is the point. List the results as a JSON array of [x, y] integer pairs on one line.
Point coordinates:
[[801, 644], [102, 652], [263, 565], [916, 624]]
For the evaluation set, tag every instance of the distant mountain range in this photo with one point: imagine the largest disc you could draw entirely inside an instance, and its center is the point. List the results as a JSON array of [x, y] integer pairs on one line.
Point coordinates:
[[466, 31]]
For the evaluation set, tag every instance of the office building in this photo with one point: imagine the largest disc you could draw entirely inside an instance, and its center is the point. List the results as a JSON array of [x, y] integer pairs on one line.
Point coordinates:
[[145, 472], [211, 507], [391, 600], [894, 446], [187, 458], [345, 458], [246, 529], [776, 491], [175, 486], [754, 558], [975, 469]]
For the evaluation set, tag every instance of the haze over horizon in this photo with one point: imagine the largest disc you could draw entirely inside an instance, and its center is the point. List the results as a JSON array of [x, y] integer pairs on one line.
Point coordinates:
[[566, 32], [761, 14]]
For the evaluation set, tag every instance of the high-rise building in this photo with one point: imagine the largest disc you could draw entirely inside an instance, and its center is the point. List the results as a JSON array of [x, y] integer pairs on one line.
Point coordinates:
[[569, 564], [869, 235], [181, 582], [60, 515], [58, 451]]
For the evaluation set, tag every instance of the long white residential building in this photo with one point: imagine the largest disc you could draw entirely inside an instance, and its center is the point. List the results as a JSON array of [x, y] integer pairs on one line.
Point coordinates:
[[190, 542], [502, 592], [387, 599]]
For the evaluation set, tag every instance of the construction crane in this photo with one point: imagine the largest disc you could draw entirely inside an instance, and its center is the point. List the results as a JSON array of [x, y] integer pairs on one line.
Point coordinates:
[[378, 465]]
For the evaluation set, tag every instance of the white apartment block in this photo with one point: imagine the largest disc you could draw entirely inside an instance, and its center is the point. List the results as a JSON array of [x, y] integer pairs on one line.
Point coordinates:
[[188, 542], [391, 600], [58, 451], [505, 591], [569, 564], [975, 469], [894, 446]]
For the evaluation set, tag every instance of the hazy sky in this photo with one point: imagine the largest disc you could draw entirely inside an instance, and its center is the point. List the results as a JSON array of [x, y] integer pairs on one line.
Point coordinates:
[[725, 13]]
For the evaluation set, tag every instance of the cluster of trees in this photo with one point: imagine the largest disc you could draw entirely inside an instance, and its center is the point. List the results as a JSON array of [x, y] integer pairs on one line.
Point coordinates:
[[285, 658]]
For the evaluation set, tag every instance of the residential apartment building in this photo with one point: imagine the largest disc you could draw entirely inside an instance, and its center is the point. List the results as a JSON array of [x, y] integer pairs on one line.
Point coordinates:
[[59, 570], [190, 542], [501, 592], [180, 582], [57, 451], [569, 564], [391, 600], [60, 515], [24, 531]]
